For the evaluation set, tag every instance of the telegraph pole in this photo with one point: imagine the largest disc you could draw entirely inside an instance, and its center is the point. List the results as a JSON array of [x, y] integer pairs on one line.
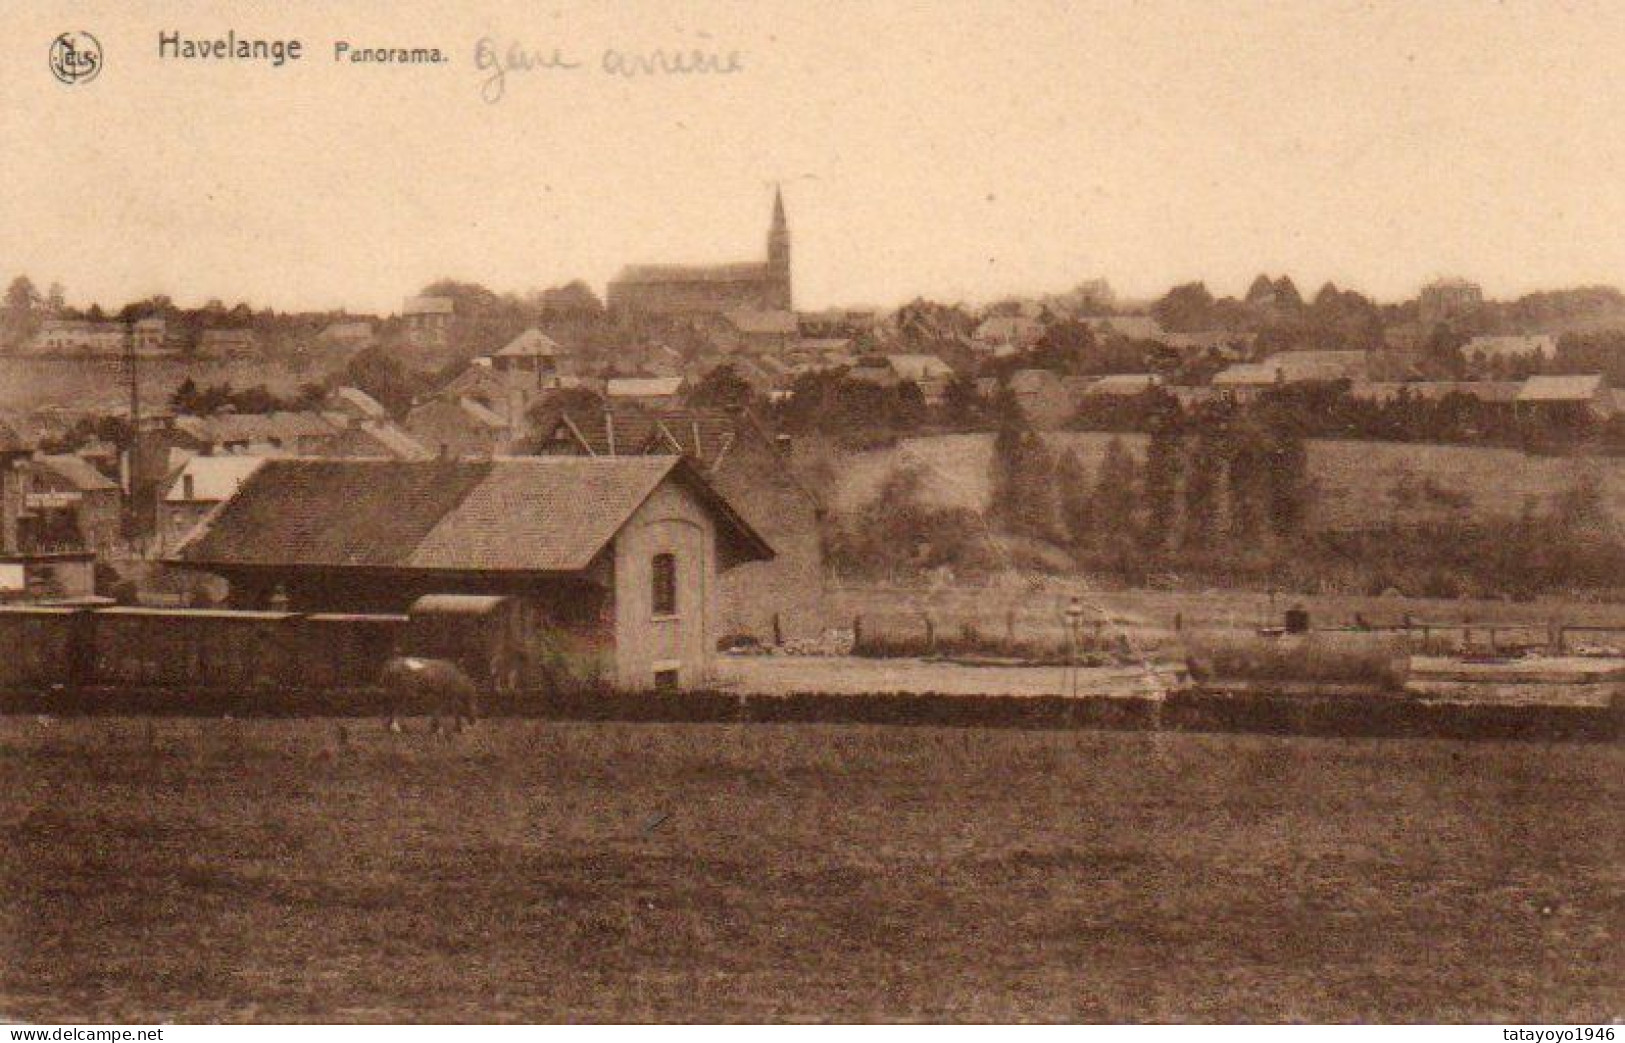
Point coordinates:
[[132, 454]]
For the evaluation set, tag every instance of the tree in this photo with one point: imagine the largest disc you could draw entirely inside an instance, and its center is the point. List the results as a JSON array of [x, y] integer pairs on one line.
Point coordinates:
[[961, 403], [1115, 495], [1442, 355], [574, 299], [382, 376], [1202, 479], [19, 319], [1288, 482], [1164, 460], [1184, 309], [185, 397], [1005, 468], [1034, 506], [1247, 471], [1075, 499], [722, 388]]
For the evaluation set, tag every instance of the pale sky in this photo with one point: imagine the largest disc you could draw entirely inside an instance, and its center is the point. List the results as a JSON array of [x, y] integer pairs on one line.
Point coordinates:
[[959, 151]]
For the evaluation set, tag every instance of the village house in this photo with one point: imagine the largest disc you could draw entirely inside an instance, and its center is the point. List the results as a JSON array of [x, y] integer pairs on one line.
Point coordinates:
[[1121, 385], [758, 330], [650, 392], [80, 336], [285, 433], [460, 427], [30, 570], [1017, 332], [69, 505], [1246, 380], [227, 344], [354, 333], [199, 486], [355, 403], [615, 559], [1560, 403], [926, 372], [383, 439], [836, 324], [530, 360], [782, 598], [1044, 398], [149, 335], [427, 320], [1129, 327], [1493, 392], [1447, 300], [1310, 366]]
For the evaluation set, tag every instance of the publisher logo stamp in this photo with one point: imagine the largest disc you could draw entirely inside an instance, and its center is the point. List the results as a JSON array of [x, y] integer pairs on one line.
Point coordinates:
[[76, 58]]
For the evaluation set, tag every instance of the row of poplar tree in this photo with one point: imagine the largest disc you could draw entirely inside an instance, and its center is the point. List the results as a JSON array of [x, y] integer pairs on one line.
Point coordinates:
[[1207, 479]]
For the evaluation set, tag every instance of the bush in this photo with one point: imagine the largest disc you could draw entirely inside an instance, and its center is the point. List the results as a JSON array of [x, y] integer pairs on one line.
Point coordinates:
[[1358, 659]]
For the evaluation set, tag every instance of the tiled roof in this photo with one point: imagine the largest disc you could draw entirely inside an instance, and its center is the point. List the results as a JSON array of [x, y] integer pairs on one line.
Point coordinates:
[[746, 320], [1124, 384], [428, 306], [1023, 381], [532, 342], [522, 514], [549, 514], [77, 472], [213, 478], [702, 434], [1134, 327], [680, 273], [379, 438], [361, 403], [333, 512], [918, 367], [644, 387], [286, 427], [1577, 388], [1434, 390]]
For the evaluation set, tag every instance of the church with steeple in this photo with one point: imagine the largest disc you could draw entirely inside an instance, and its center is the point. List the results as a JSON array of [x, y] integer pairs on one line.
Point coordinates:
[[709, 290]]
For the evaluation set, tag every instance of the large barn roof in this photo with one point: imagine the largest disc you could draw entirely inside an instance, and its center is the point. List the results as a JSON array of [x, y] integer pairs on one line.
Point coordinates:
[[519, 514]]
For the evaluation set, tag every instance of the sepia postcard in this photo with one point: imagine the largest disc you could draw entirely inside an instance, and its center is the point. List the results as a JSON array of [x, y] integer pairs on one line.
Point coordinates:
[[905, 511]]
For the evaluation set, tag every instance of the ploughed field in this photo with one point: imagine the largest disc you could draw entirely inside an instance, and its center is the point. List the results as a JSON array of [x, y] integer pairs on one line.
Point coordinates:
[[195, 869]]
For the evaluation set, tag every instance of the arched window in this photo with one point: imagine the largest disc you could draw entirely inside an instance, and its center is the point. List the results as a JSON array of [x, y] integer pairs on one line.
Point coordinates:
[[663, 585]]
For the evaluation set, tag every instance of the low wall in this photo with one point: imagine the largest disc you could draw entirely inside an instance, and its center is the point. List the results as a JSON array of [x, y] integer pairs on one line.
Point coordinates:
[[1185, 711]]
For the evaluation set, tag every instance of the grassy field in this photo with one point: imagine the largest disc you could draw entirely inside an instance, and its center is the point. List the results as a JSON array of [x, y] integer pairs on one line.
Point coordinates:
[[1352, 479], [254, 870]]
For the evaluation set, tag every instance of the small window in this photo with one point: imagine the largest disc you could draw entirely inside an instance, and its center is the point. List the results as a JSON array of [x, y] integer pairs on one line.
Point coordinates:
[[663, 581], [666, 680]]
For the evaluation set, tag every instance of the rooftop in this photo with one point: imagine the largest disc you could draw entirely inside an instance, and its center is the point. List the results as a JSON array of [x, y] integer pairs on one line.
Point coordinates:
[[519, 514]]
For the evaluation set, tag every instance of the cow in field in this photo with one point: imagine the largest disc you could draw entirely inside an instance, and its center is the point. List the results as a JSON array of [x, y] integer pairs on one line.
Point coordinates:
[[440, 684]]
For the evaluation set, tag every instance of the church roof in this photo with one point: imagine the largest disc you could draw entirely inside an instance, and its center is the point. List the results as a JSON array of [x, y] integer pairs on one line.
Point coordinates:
[[680, 273]]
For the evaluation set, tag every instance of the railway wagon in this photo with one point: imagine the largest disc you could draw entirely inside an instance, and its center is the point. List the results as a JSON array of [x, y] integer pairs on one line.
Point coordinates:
[[485, 635], [345, 650], [43, 645], [198, 648]]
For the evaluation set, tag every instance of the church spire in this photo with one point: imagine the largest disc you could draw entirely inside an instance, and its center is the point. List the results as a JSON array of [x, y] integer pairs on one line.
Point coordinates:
[[778, 256]]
